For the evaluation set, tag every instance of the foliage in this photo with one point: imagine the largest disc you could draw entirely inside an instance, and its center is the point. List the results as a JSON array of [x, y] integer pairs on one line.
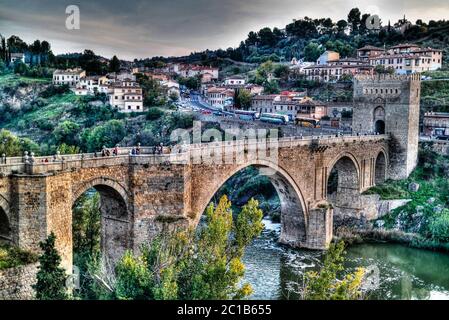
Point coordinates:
[[51, 278], [12, 146], [313, 51], [67, 149], [86, 242], [192, 83], [325, 285], [244, 99], [11, 257], [114, 64], [215, 269], [439, 226], [427, 212], [185, 265], [108, 134], [67, 133], [154, 114]]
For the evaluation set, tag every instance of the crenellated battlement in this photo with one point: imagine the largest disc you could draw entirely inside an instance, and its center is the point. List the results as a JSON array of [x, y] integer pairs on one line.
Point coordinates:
[[382, 78]]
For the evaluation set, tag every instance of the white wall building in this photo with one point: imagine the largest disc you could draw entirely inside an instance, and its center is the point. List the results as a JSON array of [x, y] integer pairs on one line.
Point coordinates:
[[235, 81], [70, 77], [126, 96]]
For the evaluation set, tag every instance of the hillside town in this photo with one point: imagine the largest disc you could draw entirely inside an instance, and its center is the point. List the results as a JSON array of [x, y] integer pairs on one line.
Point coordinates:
[[220, 92], [302, 162]]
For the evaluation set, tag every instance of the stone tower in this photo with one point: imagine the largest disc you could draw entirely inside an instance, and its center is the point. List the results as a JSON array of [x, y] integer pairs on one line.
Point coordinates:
[[390, 104]]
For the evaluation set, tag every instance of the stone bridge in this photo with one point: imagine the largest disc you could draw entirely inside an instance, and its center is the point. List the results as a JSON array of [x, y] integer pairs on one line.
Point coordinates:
[[142, 194]]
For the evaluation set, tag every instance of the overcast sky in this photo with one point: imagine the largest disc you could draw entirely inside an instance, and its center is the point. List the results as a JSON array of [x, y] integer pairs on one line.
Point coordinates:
[[137, 29]]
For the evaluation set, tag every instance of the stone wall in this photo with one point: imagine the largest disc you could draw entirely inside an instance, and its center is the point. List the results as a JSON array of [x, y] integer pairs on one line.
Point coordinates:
[[390, 104], [16, 283]]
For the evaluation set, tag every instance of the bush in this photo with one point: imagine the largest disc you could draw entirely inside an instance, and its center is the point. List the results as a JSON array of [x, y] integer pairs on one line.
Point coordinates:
[[11, 257], [439, 227], [108, 134], [154, 114]]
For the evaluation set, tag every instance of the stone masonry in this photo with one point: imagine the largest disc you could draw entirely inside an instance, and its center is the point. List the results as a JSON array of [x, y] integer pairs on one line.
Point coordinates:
[[142, 195]]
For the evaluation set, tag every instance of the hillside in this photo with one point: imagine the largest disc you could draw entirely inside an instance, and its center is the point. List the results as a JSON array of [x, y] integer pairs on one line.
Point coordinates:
[[53, 116], [306, 38]]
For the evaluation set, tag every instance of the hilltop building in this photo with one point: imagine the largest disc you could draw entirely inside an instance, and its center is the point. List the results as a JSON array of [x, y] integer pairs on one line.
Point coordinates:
[[126, 96], [70, 77]]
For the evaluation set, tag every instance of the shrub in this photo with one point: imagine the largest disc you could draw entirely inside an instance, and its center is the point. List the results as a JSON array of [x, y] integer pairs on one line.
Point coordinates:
[[439, 226], [154, 114], [11, 257]]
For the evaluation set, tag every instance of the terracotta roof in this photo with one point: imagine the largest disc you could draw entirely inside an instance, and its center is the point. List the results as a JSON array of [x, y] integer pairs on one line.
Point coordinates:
[[404, 45], [369, 47]]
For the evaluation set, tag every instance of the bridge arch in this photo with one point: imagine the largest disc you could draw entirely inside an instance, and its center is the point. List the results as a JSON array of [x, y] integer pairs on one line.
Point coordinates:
[[380, 167], [294, 211], [343, 188], [5, 221], [344, 156], [116, 219]]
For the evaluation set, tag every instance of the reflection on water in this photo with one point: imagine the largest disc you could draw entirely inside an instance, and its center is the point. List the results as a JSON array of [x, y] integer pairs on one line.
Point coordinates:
[[405, 273]]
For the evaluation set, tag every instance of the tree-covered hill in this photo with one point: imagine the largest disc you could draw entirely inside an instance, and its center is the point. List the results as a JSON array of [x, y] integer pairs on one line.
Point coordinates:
[[306, 38]]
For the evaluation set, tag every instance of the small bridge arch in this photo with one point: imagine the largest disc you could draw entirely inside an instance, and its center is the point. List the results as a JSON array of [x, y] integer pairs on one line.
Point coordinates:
[[116, 218]]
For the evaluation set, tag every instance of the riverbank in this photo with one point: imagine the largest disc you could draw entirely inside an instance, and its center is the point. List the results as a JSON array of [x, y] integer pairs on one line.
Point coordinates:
[[274, 270], [413, 240]]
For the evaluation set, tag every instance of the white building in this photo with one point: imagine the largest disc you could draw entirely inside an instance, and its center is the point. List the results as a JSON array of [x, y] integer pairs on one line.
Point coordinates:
[[17, 57], [70, 77], [92, 85], [235, 81], [126, 96], [171, 87], [219, 96]]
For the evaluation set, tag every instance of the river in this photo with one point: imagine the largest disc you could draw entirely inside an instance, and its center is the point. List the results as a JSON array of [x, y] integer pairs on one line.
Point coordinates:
[[403, 273]]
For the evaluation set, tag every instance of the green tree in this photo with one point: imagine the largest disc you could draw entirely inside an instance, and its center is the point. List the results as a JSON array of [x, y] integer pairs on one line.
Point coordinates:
[[51, 278], [215, 268], [325, 285], [188, 265], [12, 146], [271, 87], [67, 132], [244, 99], [341, 26], [154, 113], [354, 19], [67, 149], [108, 134], [439, 226], [313, 51], [114, 64]]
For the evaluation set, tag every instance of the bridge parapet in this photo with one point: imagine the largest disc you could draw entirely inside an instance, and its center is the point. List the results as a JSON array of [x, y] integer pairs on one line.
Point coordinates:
[[178, 155]]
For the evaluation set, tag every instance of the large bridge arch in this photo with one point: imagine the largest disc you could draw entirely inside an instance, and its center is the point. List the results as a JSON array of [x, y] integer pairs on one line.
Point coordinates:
[[294, 210], [116, 217], [343, 187]]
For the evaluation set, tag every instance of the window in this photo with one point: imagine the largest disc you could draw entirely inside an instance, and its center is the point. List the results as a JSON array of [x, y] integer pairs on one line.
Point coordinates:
[[129, 107]]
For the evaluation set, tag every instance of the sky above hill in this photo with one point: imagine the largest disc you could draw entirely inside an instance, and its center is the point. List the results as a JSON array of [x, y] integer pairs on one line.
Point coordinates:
[[138, 28]]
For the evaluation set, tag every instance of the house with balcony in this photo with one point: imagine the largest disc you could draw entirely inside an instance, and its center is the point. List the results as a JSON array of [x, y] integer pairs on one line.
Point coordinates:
[[126, 96]]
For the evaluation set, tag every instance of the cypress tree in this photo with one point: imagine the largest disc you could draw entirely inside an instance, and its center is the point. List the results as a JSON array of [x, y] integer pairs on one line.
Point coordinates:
[[51, 278]]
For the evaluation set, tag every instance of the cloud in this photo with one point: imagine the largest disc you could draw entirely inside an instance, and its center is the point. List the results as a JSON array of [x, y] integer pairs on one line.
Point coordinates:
[[137, 28]]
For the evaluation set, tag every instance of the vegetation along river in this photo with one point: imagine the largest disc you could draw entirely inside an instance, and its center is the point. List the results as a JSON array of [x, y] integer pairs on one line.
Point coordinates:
[[404, 273]]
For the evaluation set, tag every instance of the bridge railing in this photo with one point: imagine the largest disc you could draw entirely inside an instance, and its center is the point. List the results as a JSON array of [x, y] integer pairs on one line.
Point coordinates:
[[178, 154]]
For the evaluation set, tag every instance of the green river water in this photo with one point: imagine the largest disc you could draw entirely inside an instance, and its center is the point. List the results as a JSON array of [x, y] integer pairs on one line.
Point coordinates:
[[400, 272]]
